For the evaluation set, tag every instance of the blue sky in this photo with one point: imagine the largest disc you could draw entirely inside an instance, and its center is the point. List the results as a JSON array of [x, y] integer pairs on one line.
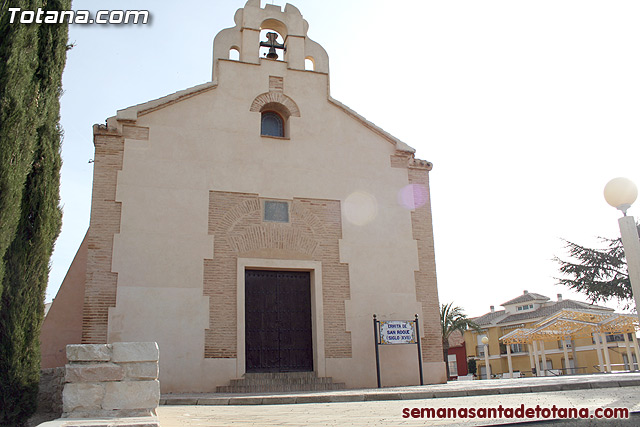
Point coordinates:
[[526, 109]]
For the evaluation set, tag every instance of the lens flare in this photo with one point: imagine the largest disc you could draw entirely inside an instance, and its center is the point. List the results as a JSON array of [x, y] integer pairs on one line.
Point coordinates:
[[413, 196], [360, 208]]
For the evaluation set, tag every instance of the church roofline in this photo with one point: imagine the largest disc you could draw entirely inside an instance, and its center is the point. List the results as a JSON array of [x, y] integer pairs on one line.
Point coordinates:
[[401, 146], [133, 112]]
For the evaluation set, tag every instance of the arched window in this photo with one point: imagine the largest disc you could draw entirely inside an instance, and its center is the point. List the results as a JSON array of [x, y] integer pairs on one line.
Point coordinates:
[[275, 111], [272, 124], [309, 64]]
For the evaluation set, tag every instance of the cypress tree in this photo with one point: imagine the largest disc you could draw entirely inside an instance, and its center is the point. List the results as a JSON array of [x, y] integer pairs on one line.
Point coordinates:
[[18, 115], [30, 86]]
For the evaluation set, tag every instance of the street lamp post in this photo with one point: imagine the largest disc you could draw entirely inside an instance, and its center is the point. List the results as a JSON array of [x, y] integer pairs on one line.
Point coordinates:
[[621, 193], [485, 341]]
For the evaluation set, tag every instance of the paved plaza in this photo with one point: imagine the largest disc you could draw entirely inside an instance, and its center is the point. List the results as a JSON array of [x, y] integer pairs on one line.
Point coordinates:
[[450, 389], [389, 413], [386, 407]]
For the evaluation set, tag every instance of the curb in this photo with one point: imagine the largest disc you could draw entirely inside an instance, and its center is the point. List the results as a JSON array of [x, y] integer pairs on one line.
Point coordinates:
[[369, 396]]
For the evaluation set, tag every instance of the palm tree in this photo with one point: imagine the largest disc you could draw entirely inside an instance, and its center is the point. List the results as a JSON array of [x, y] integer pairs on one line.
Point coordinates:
[[453, 319]]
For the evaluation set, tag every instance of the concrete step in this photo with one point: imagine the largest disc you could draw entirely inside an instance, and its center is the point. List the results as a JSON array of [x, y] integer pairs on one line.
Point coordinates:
[[280, 388], [280, 382], [290, 381], [277, 375]]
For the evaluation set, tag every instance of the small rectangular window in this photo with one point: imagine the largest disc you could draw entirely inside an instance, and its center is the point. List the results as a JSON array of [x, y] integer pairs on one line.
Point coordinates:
[[453, 365], [276, 211]]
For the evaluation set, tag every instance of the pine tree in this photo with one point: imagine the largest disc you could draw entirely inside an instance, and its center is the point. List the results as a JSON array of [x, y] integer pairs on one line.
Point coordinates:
[[600, 274], [30, 88]]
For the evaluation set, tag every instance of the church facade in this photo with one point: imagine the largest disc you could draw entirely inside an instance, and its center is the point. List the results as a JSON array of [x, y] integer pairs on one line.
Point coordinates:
[[255, 224]]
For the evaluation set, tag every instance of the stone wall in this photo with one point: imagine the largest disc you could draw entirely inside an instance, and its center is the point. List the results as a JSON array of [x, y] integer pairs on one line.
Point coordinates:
[[50, 391], [111, 380]]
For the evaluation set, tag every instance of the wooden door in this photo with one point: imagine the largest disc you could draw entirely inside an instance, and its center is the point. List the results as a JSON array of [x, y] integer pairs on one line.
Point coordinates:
[[278, 321]]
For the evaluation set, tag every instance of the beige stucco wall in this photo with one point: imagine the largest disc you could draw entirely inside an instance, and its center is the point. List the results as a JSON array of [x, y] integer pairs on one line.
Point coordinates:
[[210, 141]]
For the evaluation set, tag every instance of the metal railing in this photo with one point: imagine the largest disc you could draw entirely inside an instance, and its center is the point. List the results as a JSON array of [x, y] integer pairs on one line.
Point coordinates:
[[557, 372], [625, 367]]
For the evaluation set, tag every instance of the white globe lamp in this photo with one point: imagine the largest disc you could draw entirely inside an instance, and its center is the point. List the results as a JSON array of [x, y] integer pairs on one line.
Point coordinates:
[[621, 193]]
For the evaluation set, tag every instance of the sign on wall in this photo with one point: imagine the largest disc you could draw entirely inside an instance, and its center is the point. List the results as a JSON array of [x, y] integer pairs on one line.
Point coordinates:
[[397, 332]]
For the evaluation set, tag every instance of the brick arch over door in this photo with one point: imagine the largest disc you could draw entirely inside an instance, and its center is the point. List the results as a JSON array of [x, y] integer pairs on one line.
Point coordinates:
[[313, 233]]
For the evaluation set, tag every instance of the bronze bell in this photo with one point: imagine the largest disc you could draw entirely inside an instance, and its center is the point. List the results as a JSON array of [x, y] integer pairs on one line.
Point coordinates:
[[272, 53], [272, 44]]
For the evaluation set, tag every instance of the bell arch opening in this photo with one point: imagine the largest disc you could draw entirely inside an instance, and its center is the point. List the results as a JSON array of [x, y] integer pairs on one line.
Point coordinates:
[[274, 25], [271, 45], [273, 34]]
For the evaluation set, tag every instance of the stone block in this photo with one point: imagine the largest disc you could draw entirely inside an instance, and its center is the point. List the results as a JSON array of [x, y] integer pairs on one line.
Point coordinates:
[[50, 390], [245, 401], [93, 372], [140, 370], [450, 393], [131, 395], [89, 352], [382, 396], [543, 388], [414, 395], [82, 397], [278, 400], [135, 352], [512, 390], [110, 418], [316, 398], [213, 401], [182, 401]]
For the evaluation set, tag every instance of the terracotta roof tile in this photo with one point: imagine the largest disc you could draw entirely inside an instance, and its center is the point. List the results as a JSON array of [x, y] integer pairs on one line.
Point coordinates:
[[551, 309], [488, 318], [526, 297]]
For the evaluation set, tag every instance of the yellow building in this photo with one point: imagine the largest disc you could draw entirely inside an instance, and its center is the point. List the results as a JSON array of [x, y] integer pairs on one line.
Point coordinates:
[[527, 337]]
